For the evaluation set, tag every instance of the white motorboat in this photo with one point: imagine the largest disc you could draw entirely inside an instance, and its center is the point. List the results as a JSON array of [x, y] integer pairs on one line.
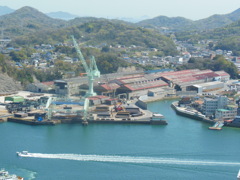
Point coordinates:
[[23, 154], [238, 176]]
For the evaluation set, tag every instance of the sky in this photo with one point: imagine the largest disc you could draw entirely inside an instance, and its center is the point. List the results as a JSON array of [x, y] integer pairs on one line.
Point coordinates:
[[190, 9]]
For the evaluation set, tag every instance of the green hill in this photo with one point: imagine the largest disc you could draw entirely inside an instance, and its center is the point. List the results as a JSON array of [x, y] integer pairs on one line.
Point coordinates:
[[167, 22], [183, 24], [26, 20], [102, 33]]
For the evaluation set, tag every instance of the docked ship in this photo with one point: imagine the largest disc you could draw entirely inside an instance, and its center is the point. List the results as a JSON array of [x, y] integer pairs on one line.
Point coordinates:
[[4, 175], [158, 118], [234, 123]]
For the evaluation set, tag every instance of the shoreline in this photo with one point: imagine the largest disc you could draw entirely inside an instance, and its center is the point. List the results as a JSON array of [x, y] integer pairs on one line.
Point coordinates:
[[191, 114], [80, 121], [196, 116]]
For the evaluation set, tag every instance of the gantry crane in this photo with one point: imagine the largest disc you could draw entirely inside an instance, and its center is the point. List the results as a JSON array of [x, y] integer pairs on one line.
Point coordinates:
[[91, 70]]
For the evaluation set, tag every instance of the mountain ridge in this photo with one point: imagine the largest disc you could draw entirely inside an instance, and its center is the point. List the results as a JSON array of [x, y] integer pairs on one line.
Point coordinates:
[[174, 23]]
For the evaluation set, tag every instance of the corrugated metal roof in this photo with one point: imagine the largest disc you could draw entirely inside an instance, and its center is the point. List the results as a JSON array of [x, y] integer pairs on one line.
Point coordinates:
[[110, 86], [222, 73], [140, 86]]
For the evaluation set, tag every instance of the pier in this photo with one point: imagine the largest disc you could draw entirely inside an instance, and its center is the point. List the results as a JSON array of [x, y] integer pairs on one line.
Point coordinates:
[[217, 126]]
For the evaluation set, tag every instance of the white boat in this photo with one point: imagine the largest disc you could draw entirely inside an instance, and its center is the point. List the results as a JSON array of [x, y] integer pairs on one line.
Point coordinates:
[[4, 175], [158, 119], [23, 154], [238, 176]]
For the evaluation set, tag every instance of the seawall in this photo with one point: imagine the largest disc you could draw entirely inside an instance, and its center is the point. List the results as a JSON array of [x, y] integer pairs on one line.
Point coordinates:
[[190, 114]]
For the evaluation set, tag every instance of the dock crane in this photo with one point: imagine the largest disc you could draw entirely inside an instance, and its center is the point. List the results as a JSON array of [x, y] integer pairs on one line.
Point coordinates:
[[92, 73], [91, 70]]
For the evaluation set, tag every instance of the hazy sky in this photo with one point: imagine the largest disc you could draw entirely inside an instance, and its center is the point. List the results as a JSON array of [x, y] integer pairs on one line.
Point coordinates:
[[190, 9]]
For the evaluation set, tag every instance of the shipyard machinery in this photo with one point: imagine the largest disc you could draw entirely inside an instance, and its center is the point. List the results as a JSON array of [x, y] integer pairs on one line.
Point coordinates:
[[92, 73], [91, 70]]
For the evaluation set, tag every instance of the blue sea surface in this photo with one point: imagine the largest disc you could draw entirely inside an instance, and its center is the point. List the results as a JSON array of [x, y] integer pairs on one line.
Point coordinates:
[[183, 149]]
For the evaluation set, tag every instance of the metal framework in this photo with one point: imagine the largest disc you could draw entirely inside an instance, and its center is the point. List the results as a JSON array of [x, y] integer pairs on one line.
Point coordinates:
[[91, 70]]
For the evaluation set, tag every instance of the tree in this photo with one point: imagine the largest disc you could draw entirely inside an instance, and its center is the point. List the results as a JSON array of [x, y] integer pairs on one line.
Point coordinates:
[[18, 56], [105, 49]]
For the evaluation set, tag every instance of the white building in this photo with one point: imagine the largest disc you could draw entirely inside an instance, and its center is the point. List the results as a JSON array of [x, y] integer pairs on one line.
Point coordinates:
[[223, 114], [210, 105]]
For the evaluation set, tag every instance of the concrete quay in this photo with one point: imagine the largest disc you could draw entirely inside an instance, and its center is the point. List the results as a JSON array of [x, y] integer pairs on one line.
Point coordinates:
[[193, 114], [31, 121]]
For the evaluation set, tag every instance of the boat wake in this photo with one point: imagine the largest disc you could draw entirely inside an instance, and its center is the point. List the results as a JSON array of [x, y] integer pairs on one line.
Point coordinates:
[[131, 159]]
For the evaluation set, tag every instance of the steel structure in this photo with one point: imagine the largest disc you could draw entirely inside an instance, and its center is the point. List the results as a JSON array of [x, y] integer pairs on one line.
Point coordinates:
[[91, 70]]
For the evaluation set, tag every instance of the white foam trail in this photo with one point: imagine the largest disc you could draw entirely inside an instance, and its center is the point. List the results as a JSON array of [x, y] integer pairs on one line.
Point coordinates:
[[132, 159]]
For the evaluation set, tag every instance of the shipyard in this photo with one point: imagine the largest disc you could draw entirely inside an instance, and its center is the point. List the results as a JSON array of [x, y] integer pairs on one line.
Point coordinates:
[[123, 90], [119, 98]]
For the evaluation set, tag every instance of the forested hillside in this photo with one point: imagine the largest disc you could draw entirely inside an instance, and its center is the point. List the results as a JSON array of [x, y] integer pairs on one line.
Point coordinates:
[[179, 24]]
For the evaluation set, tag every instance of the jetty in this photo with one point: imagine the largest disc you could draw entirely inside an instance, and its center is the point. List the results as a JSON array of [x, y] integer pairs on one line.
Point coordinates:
[[217, 126]]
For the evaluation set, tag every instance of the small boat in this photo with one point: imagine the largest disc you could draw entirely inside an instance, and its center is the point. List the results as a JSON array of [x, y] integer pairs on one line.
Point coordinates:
[[23, 154], [158, 119], [238, 176], [217, 126], [4, 175]]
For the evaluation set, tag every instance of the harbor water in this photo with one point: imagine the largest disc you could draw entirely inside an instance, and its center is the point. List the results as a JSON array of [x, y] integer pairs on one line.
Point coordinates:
[[183, 149]]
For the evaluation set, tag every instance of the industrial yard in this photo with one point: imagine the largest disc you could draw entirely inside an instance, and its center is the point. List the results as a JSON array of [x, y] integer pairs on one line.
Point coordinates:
[[111, 101]]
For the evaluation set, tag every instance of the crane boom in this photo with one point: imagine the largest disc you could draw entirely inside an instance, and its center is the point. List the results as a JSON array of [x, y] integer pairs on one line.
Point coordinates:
[[91, 70], [80, 55]]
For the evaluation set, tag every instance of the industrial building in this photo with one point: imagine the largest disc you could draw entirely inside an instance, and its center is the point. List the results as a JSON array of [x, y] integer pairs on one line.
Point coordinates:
[[225, 114], [136, 83], [180, 80], [79, 85], [43, 87], [206, 87]]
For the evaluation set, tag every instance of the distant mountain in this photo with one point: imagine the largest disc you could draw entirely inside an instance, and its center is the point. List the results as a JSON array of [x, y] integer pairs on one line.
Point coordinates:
[[5, 10], [81, 20], [217, 21], [132, 20], [166, 22], [28, 19], [61, 15], [229, 38], [183, 24], [234, 16]]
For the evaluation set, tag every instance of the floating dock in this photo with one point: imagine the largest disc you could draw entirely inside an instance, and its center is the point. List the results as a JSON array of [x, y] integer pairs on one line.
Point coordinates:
[[31, 121], [217, 126]]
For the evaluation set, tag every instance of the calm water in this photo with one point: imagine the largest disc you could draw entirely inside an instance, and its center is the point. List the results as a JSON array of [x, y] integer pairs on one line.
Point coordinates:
[[184, 149]]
